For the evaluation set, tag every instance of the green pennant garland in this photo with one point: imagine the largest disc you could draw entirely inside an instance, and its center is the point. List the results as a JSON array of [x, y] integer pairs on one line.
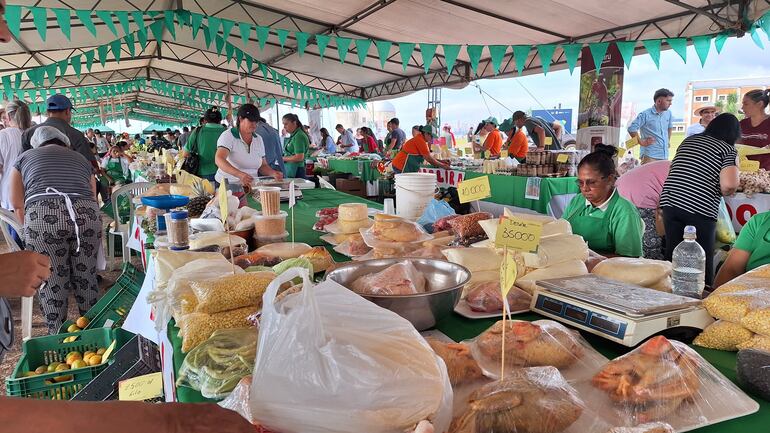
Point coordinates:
[[755, 37], [89, 59], [428, 52], [157, 31], [238, 58], [207, 38], [63, 19], [13, 18], [496, 54], [343, 46], [451, 51], [362, 49], [219, 44], [598, 51], [521, 53], [123, 19], [213, 27], [322, 41], [50, 70], [102, 51], [139, 21], [229, 52], [245, 30], [129, 40], [40, 18], [85, 18], [227, 28], [196, 20], [679, 45], [406, 49], [142, 37], [115, 48], [765, 23], [282, 35], [719, 41], [702, 46], [7, 87], [63, 67], [626, 49], [249, 63], [571, 54], [653, 48], [545, 51], [302, 39], [474, 54], [383, 50], [262, 34], [168, 19], [76, 62], [106, 17]]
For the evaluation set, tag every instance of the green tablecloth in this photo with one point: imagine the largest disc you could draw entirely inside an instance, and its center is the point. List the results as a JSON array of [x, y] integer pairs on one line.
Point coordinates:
[[460, 328], [510, 190], [360, 168]]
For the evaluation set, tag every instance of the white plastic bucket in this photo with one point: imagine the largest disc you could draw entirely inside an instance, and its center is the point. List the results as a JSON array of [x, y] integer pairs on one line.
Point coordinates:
[[413, 193]]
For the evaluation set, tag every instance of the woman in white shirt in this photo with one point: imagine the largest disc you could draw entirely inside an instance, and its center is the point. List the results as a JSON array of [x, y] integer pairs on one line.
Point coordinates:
[[17, 118], [240, 151]]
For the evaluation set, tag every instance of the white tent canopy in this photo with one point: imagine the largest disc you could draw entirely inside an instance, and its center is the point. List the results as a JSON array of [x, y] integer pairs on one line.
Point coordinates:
[[187, 61]]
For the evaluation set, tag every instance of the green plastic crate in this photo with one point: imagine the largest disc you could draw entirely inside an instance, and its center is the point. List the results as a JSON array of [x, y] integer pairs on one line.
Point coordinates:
[[51, 348], [116, 303]]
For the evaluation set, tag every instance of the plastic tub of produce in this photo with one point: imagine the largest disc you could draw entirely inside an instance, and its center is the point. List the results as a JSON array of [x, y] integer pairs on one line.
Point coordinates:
[[269, 225], [262, 241]]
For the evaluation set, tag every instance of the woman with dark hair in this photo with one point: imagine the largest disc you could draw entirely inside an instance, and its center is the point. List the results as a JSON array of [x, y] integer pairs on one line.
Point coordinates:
[[296, 147], [203, 142], [704, 169], [17, 119], [755, 128], [610, 224], [327, 143], [416, 130], [370, 144]]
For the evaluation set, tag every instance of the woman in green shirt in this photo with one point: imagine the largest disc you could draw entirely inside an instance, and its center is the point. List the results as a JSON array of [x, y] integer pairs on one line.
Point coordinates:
[[610, 224], [296, 148], [751, 249]]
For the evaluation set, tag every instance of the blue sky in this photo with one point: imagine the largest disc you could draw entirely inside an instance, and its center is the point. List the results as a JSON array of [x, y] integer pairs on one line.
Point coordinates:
[[740, 58]]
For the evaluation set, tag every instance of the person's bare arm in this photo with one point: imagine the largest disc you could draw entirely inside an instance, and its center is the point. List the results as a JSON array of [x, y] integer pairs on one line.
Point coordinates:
[[431, 160], [17, 194], [294, 158], [734, 266], [22, 273], [729, 180], [269, 171], [541, 136], [392, 144], [669, 135], [222, 163]]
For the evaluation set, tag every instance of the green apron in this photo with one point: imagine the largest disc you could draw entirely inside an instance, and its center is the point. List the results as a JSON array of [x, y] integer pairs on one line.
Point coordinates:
[[291, 167], [412, 163], [115, 171], [595, 231]]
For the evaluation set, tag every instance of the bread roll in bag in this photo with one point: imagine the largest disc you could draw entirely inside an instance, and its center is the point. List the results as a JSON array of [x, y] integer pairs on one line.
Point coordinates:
[[571, 268], [557, 249]]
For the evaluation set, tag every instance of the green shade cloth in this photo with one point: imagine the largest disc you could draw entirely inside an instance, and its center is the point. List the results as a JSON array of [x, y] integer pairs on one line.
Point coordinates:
[[359, 168], [510, 190]]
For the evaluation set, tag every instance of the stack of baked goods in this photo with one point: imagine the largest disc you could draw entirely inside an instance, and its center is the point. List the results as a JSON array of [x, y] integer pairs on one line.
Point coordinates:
[[393, 236], [350, 218]]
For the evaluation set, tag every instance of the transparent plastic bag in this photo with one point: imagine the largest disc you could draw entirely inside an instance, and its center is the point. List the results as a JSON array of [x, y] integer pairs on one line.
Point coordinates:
[[232, 291], [442, 224], [217, 365], [195, 328], [486, 297], [331, 361], [634, 270], [752, 371], [401, 278], [460, 365], [535, 344], [534, 399], [392, 232], [467, 226], [760, 342], [255, 259], [733, 306], [725, 230], [434, 211], [665, 381], [353, 246], [723, 335], [651, 427]]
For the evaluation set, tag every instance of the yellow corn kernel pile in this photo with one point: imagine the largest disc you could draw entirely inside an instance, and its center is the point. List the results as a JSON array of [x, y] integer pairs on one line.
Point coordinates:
[[231, 292], [758, 320], [723, 335], [198, 327], [757, 342], [733, 306]]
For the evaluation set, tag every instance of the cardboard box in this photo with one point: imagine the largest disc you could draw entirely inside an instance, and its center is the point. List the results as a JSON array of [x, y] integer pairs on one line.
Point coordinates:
[[354, 186]]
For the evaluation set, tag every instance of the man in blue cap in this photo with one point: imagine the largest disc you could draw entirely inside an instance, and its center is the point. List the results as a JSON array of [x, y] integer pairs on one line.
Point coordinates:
[[59, 111]]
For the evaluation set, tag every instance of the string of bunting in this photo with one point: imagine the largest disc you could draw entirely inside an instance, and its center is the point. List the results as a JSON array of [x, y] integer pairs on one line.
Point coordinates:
[[701, 43]]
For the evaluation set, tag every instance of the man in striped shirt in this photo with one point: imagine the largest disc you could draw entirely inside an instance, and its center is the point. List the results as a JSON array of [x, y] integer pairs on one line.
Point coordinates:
[[653, 128]]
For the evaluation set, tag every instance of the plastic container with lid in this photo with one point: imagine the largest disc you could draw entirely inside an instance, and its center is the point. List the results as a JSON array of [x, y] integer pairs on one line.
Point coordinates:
[[267, 240], [269, 225], [270, 199], [178, 230]]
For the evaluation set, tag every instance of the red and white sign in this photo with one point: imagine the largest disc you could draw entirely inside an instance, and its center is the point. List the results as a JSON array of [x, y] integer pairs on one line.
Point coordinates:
[[741, 208], [445, 178]]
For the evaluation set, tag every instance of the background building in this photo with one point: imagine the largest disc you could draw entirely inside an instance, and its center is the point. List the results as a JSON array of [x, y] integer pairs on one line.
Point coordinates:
[[726, 93]]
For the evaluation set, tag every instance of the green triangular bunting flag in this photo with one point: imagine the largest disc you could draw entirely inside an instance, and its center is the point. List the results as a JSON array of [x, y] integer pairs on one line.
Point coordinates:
[[157, 31], [229, 52], [406, 49], [85, 18], [129, 40], [765, 23], [702, 46], [322, 41], [474, 54], [220, 43], [63, 67], [428, 51], [262, 34], [196, 20], [106, 16], [450, 56], [245, 31], [227, 28], [719, 42], [383, 50], [40, 18], [213, 27], [142, 37], [168, 19], [679, 45], [756, 39], [520, 53], [76, 62], [64, 20], [496, 53], [13, 18], [89, 59], [123, 19], [571, 54], [545, 51], [362, 48], [302, 39], [343, 46], [626, 49], [282, 35], [102, 50], [598, 50], [139, 20], [653, 47], [115, 47]]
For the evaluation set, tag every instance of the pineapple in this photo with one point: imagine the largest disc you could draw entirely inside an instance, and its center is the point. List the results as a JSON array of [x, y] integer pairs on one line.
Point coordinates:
[[197, 204]]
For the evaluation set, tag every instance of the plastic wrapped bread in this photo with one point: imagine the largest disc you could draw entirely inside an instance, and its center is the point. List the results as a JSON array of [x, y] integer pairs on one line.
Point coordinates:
[[557, 249], [572, 268], [653, 274], [475, 259]]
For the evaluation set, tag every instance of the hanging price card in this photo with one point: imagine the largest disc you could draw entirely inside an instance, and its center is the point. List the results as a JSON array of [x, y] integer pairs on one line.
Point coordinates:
[[508, 274], [749, 166], [562, 158], [519, 234], [548, 141], [223, 201], [474, 189], [141, 388], [634, 141]]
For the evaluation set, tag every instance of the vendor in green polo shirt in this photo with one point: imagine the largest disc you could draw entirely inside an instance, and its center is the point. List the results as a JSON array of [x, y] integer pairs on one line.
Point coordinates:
[[296, 148], [751, 249], [203, 142], [610, 224]]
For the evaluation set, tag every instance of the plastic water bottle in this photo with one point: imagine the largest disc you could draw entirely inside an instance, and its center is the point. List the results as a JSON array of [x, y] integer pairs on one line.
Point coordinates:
[[689, 265]]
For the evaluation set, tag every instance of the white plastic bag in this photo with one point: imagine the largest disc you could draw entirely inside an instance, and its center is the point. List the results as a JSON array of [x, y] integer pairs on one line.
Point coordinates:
[[330, 361]]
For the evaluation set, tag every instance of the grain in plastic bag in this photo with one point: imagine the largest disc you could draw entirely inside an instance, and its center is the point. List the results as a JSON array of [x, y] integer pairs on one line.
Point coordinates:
[[231, 292], [723, 335], [664, 380], [466, 226], [756, 342], [196, 328], [757, 319], [733, 306], [535, 344], [331, 361]]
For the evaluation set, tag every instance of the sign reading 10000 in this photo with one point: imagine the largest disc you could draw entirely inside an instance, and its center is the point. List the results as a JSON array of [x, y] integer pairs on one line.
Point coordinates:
[[474, 189]]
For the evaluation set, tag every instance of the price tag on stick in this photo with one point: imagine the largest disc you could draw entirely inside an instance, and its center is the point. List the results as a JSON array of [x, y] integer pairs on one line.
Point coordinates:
[[223, 211], [474, 189], [519, 234], [141, 388], [562, 158]]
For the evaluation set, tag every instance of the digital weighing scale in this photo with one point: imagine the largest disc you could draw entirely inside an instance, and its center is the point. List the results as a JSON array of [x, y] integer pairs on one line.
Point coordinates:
[[620, 312]]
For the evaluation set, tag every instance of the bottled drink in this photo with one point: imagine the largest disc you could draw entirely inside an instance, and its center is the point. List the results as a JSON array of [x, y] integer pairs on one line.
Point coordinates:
[[689, 265]]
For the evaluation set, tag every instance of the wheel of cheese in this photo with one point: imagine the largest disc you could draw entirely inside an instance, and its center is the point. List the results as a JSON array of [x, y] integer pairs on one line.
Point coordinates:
[[352, 212]]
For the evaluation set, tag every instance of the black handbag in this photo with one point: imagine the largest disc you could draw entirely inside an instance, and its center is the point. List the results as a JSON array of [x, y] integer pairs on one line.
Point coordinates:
[[192, 163]]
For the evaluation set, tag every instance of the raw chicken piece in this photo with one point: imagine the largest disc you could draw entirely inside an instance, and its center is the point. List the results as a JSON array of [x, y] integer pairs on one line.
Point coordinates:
[[399, 279], [353, 246], [459, 363], [528, 400], [485, 297]]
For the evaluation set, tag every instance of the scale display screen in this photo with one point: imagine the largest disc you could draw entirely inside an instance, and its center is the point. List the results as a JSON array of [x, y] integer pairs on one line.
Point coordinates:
[[604, 324], [587, 318], [552, 305], [574, 313]]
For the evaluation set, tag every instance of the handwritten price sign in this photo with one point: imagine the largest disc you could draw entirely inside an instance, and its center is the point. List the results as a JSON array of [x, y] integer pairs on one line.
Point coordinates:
[[474, 189], [519, 234], [748, 166], [141, 388]]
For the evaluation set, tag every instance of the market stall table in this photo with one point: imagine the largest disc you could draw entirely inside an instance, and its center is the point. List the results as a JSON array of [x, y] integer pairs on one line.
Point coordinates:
[[554, 192], [365, 169]]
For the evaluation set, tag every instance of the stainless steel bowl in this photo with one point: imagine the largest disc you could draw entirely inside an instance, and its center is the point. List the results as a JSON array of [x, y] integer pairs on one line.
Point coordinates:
[[423, 310]]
